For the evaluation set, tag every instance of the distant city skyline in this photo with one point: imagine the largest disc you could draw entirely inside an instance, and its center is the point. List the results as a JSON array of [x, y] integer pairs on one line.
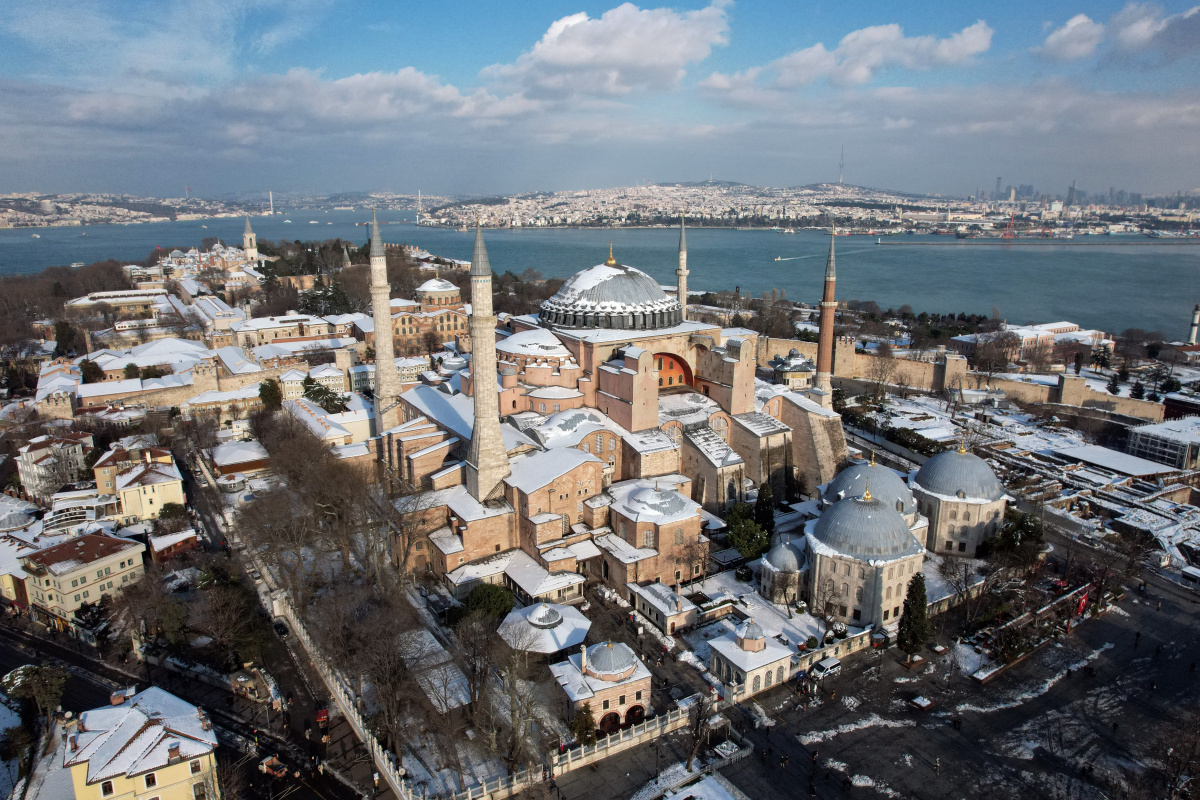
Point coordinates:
[[474, 98]]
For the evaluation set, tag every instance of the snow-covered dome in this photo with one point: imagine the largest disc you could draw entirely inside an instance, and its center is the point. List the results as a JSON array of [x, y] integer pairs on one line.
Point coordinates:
[[650, 502], [885, 484], [959, 474], [610, 659], [864, 528], [750, 630], [536, 343], [437, 285], [611, 295], [783, 557], [545, 616], [567, 427]]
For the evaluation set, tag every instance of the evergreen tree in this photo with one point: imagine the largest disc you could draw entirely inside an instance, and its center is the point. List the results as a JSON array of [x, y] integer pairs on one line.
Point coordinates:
[[1101, 358], [270, 394], [91, 371], [1078, 363], [914, 628], [583, 725], [1171, 384], [1114, 384], [1123, 372], [323, 396], [132, 371], [1138, 391], [764, 508], [64, 338]]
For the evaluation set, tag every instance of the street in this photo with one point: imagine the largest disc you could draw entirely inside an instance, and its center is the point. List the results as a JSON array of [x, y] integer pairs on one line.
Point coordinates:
[[1064, 723]]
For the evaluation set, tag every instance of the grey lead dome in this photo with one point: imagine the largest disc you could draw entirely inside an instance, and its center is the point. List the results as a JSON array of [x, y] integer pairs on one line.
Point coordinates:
[[610, 658], [884, 483], [951, 472], [865, 529], [611, 295]]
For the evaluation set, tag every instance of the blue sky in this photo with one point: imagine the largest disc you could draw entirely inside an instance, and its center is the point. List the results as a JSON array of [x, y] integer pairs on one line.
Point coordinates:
[[480, 97]]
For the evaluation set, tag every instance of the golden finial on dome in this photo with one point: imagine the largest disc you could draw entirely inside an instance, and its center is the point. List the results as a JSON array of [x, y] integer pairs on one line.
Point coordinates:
[[872, 459], [611, 262], [867, 493], [962, 443]]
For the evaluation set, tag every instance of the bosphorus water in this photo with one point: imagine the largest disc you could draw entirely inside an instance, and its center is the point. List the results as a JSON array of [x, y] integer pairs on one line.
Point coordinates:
[[1110, 287]]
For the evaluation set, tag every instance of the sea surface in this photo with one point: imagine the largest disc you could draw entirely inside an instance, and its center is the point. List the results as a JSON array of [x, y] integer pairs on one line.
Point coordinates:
[[1099, 283]]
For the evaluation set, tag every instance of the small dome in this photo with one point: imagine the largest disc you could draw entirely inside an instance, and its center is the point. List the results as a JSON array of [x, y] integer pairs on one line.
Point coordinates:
[[750, 630], [652, 502], [545, 617], [536, 343], [610, 658], [783, 557], [611, 295], [959, 475], [437, 285], [865, 529], [885, 485], [794, 353]]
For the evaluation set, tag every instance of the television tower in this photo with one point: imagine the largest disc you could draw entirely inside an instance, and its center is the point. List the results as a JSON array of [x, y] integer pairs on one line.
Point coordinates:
[[996, 196], [841, 165], [271, 200]]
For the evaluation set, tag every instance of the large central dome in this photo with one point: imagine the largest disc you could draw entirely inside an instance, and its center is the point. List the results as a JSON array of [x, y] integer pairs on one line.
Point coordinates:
[[611, 295]]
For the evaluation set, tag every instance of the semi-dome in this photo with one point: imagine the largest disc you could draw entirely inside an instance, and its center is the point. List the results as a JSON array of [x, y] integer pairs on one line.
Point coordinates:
[[611, 295], [885, 484], [437, 285], [536, 343], [610, 658], [865, 528], [961, 475], [783, 557]]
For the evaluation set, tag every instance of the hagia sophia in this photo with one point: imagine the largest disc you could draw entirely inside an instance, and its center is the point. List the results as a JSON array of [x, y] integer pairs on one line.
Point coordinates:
[[605, 436]]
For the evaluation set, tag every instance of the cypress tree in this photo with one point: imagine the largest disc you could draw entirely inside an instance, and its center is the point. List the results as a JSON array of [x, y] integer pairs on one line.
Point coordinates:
[[914, 622], [764, 508]]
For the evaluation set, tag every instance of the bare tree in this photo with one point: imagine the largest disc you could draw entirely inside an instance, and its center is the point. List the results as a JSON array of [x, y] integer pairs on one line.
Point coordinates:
[[699, 725], [880, 370], [824, 605], [993, 354], [475, 648], [278, 526]]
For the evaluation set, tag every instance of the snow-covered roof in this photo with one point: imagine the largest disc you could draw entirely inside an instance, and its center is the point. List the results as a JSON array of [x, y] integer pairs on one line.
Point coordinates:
[[538, 342], [808, 405], [534, 579], [581, 686], [456, 413], [1113, 459], [689, 408], [713, 447], [437, 285], [544, 628], [622, 550], [147, 474], [662, 598], [235, 360], [167, 540], [652, 500], [533, 471], [651, 440], [135, 737], [748, 660], [760, 424], [231, 453]]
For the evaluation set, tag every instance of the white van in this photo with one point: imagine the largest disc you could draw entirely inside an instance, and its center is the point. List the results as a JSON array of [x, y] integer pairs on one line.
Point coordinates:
[[824, 668], [1191, 577]]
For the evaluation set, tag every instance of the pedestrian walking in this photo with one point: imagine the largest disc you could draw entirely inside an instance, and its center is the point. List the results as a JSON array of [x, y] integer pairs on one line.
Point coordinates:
[[937, 766], [783, 762], [1159, 606], [1115, 726]]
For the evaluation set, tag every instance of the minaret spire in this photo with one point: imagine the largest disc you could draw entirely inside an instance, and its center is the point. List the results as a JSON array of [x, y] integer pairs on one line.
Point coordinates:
[[487, 458], [387, 379], [824, 383], [681, 272]]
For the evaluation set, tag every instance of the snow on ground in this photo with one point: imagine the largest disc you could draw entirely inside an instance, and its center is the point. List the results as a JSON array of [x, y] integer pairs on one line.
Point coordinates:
[[8, 769], [840, 766], [50, 780], [865, 782], [851, 702], [871, 721], [1039, 689], [676, 773]]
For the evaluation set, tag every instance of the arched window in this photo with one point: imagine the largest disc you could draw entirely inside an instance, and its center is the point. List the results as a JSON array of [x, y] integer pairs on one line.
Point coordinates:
[[967, 516], [891, 573], [953, 515], [599, 442], [858, 595], [555, 407], [779, 675], [542, 407], [862, 574], [767, 675], [612, 443], [757, 683], [648, 537], [679, 536], [888, 593], [845, 590], [846, 569], [585, 448]]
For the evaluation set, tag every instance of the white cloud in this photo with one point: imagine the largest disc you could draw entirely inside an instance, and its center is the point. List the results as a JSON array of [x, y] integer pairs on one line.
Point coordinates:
[[1078, 38], [626, 48], [1140, 27], [858, 57]]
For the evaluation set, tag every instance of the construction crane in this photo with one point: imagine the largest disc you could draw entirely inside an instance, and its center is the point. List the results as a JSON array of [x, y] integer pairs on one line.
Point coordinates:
[[1010, 232]]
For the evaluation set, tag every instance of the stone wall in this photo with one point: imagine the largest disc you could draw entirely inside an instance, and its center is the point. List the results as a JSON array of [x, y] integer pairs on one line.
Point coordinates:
[[818, 443]]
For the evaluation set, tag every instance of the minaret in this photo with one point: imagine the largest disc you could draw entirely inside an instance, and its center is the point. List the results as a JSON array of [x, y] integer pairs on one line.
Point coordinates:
[[387, 380], [1195, 325], [487, 458], [681, 272], [825, 339], [345, 257], [250, 242]]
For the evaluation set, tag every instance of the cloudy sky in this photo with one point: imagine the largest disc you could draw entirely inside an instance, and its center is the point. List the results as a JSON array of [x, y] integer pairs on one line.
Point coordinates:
[[473, 97]]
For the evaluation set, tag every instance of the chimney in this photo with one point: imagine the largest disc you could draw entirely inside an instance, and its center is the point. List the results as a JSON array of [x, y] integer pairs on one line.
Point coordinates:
[[583, 658], [173, 750], [74, 742], [205, 722]]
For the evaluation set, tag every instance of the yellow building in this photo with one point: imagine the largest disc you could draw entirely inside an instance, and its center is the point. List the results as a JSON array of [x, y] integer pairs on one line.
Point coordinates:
[[61, 578], [146, 746], [144, 489]]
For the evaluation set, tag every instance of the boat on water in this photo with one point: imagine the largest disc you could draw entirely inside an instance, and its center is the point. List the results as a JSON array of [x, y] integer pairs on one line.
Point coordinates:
[[288, 221], [204, 226], [313, 222], [37, 236]]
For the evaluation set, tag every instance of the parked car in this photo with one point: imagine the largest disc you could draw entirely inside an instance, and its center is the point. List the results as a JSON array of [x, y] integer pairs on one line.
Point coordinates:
[[824, 668], [281, 628]]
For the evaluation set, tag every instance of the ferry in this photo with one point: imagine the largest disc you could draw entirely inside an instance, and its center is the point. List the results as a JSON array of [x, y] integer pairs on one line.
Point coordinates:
[[37, 236], [288, 221]]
